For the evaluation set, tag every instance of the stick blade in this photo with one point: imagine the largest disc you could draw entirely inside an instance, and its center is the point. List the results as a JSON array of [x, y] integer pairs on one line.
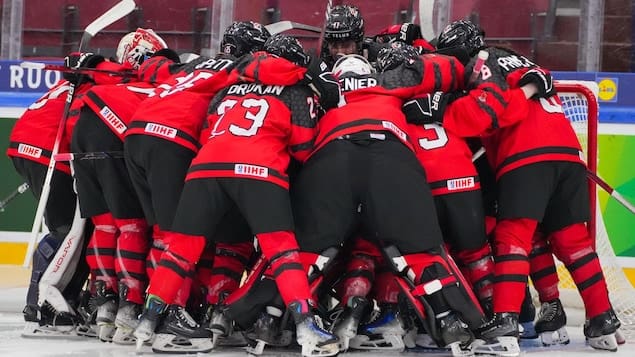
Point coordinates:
[[283, 26], [115, 13]]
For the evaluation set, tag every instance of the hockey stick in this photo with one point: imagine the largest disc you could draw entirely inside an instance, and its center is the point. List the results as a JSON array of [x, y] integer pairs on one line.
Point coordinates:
[[21, 189], [611, 191], [283, 26], [327, 13], [481, 58], [80, 70], [95, 155], [115, 13]]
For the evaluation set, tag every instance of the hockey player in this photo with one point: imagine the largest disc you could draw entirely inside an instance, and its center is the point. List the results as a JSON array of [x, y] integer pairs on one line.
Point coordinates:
[[343, 33], [159, 146], [273, 116], [30, 155], [360, 149], [118, 248], [541, 178]]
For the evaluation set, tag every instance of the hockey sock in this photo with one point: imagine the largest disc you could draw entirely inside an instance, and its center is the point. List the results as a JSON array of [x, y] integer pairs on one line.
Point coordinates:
[[386, 289], [477, 266], [100, 254], [229, 265], [512, 239], [542, 269], [282, 251], [175, 265], [156, 249], [573, 246], [360, 271], [132, 250]]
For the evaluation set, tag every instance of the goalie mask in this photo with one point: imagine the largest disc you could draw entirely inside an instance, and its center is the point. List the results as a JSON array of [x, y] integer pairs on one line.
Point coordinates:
[[136, 46], [287, 47], [352, 64], [243, 37], [396, 54], [462, 34]]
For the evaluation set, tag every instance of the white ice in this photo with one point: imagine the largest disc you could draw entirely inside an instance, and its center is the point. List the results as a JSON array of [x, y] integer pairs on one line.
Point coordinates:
[[13, 345]]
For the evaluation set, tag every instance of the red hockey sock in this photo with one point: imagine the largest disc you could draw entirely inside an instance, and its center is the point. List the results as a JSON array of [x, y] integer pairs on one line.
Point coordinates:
[[542, 269], [512, 239], [386, 289], [100, 253], [229, 265], [573, 246], [132, 250], [477, 266], [156, 249]]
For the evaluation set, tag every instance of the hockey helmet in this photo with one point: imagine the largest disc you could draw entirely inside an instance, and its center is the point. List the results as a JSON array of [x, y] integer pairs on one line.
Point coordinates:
[[287, 47], [243, 37], [396, 54], [462, 33], [352, 64], [344, 23]]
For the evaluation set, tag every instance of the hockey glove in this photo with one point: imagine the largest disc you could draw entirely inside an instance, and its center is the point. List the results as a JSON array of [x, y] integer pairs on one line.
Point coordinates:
[[543, 81], [427, 109], [168, 53], [322, 82], [78, 60], [372, 47]]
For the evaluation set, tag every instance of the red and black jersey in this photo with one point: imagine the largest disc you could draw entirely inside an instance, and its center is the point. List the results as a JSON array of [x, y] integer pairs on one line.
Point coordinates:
[[514, 131], [177, 108], [115, 104], [374, 101], [256, 128], [446, 158]]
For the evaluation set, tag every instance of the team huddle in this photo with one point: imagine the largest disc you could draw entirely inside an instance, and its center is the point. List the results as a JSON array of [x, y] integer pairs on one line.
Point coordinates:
[[270, 197]]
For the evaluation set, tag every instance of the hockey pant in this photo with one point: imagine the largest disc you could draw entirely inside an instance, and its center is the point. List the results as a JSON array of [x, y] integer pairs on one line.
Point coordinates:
[[433, 285]]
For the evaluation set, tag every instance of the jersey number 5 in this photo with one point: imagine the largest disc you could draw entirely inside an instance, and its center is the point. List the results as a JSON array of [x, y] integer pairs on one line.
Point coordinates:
[[256, 117]]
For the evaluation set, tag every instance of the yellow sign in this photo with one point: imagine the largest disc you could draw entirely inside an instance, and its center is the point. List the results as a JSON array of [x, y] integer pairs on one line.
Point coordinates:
[[608, 89]]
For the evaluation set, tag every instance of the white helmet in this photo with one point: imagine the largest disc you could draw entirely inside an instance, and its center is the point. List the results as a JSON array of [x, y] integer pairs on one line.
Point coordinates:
[[352, 63], [136, 46]]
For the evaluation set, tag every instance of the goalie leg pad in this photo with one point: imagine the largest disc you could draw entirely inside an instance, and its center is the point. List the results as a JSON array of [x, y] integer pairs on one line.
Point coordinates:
[[42, 257]]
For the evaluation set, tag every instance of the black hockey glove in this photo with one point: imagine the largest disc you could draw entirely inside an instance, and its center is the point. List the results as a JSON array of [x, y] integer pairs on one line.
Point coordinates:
[[78, 60], [322, 82], [169, 54], [372, 47], [428, 109], [543, 81]]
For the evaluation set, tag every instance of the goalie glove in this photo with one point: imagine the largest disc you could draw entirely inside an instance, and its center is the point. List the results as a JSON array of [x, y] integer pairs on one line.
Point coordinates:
[[322, 83], [543, 81], [427, 109], [78, 60]]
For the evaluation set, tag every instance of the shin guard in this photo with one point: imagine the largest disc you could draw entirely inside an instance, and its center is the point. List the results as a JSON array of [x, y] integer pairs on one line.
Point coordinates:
[[573, 246], [132, 249]]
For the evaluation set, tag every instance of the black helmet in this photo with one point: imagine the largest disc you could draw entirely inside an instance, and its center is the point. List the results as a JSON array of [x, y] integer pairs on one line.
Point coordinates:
[[344, 23], [462, 33], [396, 54], [287, 47], [243, 37]]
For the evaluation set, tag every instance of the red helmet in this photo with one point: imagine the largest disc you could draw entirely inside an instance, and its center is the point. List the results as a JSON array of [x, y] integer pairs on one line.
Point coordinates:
[[136, 46]]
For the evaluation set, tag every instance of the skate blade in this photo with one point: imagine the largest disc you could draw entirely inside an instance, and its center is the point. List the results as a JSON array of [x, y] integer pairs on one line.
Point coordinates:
[[168, 343], [380, 342], [527, 331], [258, 349], [105, 332], [619, 337], [605, 343], [123, 336], [506, 346], [458, 350], [34, 330], [558, 337], [330, 349]]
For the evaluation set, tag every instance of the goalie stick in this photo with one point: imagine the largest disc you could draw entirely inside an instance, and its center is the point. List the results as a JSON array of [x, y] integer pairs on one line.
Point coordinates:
[[21, 189], [115, 13], [80, 70]]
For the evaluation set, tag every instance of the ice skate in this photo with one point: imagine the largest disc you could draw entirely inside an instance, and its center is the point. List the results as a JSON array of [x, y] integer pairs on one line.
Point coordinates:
[[179, 333], [527, 316], [499, 336], [346, 325], [310, 334], [551, 324], [385, 332], [126, 321], [88, 314], [268, 330], [600, 331], [152, 313], [106, 302], [46, 323], [455, 334]]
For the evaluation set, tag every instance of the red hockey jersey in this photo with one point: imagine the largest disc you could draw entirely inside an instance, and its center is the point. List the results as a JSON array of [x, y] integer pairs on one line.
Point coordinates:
[[176, 109], [514, 131], [256, 128]]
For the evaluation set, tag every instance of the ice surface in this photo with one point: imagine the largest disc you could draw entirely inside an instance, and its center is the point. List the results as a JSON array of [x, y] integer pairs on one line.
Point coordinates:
[[12, 344]]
